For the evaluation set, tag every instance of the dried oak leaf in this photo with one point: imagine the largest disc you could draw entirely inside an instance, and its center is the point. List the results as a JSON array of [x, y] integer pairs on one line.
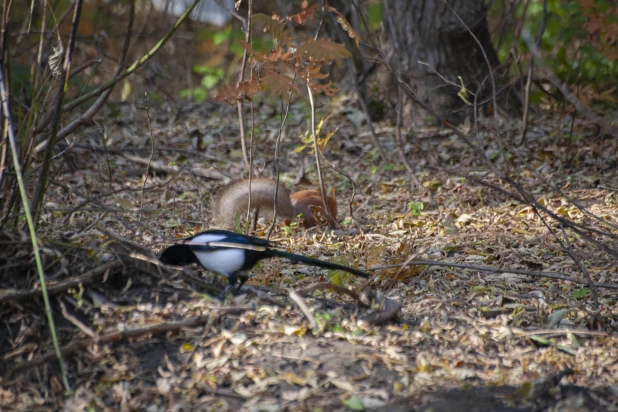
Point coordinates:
[[323, 51], [278, 84]]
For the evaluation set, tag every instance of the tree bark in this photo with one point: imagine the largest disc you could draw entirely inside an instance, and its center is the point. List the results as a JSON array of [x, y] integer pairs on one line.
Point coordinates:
[[432, 47]]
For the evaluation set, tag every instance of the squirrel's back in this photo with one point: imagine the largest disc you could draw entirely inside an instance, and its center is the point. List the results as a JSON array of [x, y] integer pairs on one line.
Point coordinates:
[[232, 199]]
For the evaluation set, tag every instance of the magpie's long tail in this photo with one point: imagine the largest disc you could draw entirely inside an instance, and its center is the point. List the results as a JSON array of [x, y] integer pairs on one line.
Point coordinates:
[[314, 262], [180, 255]]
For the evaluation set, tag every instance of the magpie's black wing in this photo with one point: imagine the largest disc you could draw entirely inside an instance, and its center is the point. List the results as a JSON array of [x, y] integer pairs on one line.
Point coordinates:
[[183, 253], [201, 240]]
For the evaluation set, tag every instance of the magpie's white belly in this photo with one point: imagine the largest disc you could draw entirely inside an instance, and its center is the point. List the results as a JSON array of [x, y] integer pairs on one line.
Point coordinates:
[[223, 261]]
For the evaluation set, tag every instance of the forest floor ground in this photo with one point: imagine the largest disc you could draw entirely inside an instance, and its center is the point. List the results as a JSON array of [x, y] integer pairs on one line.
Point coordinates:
[[144, 337]]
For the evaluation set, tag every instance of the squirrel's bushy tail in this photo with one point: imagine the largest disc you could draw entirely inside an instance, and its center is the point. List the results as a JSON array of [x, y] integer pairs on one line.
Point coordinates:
[[232, 199]]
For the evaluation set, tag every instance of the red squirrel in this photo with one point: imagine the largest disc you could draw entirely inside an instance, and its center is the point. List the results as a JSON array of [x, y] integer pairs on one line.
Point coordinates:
[[232, 200]]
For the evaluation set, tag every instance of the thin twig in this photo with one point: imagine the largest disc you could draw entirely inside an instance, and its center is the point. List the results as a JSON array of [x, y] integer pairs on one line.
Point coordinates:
[[80, 325], [84, 66], [295, 297], [401, 143], [241, 76], [233, 13], [282, 120], [317, 30], [355, 186], [252, 222], [147, 171], [524, 126], [316, 149], [560, 331], [578, 262]]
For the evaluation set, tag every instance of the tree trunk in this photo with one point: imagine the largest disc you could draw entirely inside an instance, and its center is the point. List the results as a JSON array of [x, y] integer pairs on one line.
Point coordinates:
[[432, 47]]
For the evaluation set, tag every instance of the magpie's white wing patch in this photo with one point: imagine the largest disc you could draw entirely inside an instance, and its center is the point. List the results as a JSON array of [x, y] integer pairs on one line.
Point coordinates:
[[205, 238], [238, 246]]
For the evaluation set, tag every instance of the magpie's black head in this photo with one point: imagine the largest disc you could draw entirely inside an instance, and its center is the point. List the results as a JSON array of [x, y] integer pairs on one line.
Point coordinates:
[[179, 255]]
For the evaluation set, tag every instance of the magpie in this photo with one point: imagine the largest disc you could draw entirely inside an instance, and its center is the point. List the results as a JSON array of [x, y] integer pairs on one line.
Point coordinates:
[[233, 255]]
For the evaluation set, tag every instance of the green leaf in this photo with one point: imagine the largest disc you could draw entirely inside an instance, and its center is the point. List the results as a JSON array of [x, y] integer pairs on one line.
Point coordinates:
[[221, 36], [376, 13], [358, 332], [354, 403], [541, 340], [209, 81], [415, 207], [580, 293], [201, 69]]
